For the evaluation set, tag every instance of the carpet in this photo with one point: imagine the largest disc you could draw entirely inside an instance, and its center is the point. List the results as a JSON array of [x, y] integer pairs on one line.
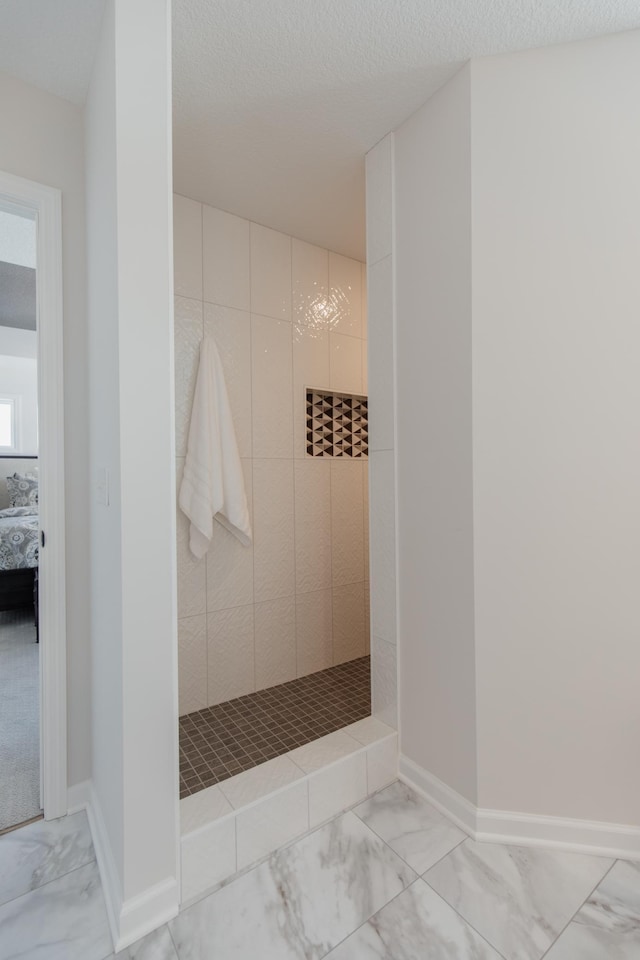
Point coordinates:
[[19, 718]]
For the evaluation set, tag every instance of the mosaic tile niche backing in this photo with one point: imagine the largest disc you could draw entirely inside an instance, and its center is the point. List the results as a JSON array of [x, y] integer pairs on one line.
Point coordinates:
[[337, 425]]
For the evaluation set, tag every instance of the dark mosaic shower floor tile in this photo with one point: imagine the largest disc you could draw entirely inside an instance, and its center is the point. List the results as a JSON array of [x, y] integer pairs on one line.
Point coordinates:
[[218, 742]]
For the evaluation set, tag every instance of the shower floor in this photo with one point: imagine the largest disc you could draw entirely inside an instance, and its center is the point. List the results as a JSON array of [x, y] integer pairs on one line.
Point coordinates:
[[221, 741]]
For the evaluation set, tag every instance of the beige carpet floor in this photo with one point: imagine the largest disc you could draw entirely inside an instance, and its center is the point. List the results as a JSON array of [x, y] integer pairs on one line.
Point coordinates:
[[19, 719]]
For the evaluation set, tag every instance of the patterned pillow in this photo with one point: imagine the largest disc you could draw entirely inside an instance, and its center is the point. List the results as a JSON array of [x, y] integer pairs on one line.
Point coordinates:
[[23, 491]]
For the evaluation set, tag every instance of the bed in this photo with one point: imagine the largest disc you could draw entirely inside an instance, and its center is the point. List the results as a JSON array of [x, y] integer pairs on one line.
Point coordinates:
[[19, 541]]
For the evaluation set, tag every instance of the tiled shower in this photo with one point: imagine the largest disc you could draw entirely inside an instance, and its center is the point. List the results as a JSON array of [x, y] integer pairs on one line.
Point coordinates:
[[290, 323]]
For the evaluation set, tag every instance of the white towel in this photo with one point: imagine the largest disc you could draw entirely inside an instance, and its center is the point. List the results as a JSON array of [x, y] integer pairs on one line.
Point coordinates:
[[213, 483]]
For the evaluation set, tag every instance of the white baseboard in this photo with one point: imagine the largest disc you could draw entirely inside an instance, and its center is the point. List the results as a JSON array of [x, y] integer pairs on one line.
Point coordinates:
[[595, 838], [131, 919], [447, 801]]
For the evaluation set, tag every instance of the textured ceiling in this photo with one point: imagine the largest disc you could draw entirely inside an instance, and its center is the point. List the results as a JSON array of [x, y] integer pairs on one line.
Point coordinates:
[[277, 101]]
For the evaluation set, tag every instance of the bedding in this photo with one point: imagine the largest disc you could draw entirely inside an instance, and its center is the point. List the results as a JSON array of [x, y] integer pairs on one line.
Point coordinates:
[[19, 538], [23, 490]]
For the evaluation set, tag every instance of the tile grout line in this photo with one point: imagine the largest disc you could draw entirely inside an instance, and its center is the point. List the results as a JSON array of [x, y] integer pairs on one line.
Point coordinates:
[[369, 918], [457, 912], [286, 846], [574, 915], [61, 876], [464, 919], [420, 876]]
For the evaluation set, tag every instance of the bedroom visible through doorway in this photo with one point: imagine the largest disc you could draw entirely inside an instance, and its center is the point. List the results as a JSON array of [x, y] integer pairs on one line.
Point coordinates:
[[20, 777]]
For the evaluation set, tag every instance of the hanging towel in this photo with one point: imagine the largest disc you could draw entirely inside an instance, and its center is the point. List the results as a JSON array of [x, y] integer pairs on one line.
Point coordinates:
[[213, 483]]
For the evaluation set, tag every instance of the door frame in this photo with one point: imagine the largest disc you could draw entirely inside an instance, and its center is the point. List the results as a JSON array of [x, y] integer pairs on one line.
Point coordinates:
[[45, 203]]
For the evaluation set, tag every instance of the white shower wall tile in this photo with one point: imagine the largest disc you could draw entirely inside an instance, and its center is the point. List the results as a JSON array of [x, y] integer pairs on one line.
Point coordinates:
[[347, 522], [260, 781], [270, 273], [188, 329], [380, 354], [383, 545], [337, 787], [365, 502], [382, 763], [310, 369], [275, 642], [231, 330], [314, 632], [345, 291], [230, 563], [208, 856], [271, 374], [243, 284], [230, 654], [309, 282], [187, 247], [365, 318], [384, 690], [192, 598], [203, 807], [345, 358], [320, 753], [271, 823], [367, 618], [365, 368], [226, 259], [229, 570], [312, 524], [192, 663], [348, 622], [273, 549]]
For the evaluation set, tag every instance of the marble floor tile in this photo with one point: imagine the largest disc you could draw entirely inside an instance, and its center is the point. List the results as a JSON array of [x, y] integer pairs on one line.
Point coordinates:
[[298, 904], [65, 919], [518, 898], [615, 904], [43, 851], [155, 946], [580, 942], [411, 826], [417, 925], [607, 927]]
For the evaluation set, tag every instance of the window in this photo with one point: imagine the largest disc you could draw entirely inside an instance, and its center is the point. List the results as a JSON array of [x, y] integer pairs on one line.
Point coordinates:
[[7, 424]]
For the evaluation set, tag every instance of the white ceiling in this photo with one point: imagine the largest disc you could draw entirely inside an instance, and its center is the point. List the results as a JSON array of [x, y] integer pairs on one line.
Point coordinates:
[[277, 101], [50, 43]]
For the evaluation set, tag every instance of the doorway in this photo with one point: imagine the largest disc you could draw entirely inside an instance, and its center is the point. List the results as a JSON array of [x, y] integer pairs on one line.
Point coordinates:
[[33, 780], [20, 791]]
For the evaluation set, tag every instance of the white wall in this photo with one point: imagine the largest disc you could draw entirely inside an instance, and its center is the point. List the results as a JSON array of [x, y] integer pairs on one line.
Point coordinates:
[[15, 342], [518, 405], [556, 288], [134, 643], [42, 140], [296, 600], [435, 510], [19, 379], [382, 431], [104, 423]]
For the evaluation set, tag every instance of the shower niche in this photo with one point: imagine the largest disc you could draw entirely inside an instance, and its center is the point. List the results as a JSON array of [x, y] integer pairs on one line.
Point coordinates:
[[337, 424]]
